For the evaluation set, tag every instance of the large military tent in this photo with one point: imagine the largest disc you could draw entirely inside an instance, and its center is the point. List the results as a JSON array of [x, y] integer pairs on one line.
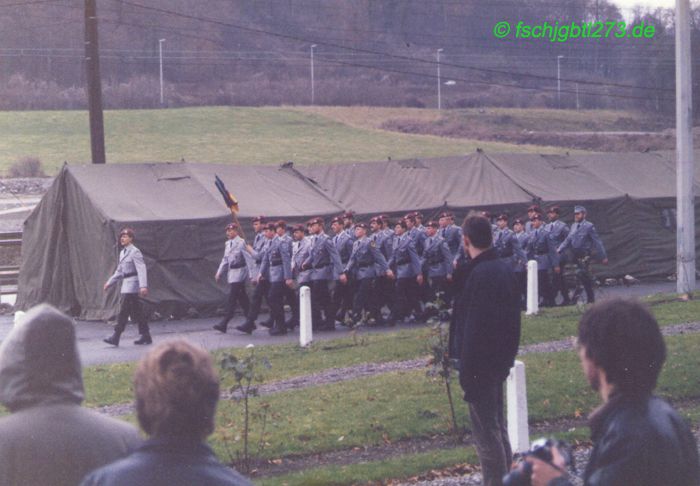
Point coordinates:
[[69, 243], [70, 240]]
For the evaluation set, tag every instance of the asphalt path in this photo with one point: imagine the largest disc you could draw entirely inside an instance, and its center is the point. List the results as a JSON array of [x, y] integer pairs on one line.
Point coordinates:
[[93, 351]]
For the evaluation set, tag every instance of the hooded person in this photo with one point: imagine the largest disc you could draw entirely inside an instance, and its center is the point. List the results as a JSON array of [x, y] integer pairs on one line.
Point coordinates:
[[49, 439]]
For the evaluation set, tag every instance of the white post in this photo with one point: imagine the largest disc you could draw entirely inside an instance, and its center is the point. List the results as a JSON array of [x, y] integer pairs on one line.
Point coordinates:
[[559, 58], [160, 59], [685, 200], [516, 393], [439, 93], [313, 87], [305, 332], [533, 298], [19, 315]]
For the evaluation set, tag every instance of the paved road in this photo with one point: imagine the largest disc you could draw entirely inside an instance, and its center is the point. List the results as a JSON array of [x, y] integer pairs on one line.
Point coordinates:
[[94, 351]]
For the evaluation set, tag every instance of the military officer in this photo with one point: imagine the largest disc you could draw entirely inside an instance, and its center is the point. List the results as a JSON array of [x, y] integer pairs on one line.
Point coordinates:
[[583, 240], [131, 270], [436, 261], [521, 268], [300, 252], [349, 223], [383, 240], [234, 264], [324, 260], [276, 267], [451, 233], [507, 245], [558, 231], [342, 294], [531, 211], [414, 233], [289, 292], [541, 248], [261, 287], [406, 266], [362, 266]]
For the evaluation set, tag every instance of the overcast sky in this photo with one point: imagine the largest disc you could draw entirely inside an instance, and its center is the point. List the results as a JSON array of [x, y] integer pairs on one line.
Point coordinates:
[[645, 3]]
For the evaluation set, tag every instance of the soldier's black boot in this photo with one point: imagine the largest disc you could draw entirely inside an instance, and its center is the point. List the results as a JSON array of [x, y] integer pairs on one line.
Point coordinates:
[[278, 331], [222, 326], [144, 339], [113, 339], [268, 323], [247, 327]]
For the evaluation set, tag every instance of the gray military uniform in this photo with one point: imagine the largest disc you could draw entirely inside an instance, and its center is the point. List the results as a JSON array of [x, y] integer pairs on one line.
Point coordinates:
[[276, 263], [323, 259], [404, 257], [437, 259], [235, 261], [508, 248], [131, 270], [583, 239], [365, 260], [453, 236], [541, 248], [300, 252]]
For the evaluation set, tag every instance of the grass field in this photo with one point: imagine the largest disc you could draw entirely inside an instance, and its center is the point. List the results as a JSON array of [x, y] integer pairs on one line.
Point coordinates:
[[225, 135]]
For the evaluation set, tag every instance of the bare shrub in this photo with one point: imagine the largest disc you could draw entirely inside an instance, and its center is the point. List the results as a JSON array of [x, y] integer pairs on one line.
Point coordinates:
[[26, 167]]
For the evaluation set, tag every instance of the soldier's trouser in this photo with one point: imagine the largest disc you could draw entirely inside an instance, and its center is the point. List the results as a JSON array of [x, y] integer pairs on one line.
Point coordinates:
[[321, 301], [407, 297], [437, 285], [291, 298], [363, 299], [238, 295], [558, 282], [490, 434], [342, 297], [275, 298], [384, 293], [259, 291], [544, 287], [583, 271], [131, 306], [521, 278]]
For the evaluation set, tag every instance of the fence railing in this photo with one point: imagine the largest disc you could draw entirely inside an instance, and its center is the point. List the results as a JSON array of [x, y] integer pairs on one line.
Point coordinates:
[[9, 274]]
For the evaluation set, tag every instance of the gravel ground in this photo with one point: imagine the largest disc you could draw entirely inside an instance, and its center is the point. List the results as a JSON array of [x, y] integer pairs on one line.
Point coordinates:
[[25, 185]]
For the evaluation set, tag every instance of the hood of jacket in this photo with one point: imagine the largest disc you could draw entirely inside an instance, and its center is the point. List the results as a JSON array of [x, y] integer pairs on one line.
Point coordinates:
[[39, 361]]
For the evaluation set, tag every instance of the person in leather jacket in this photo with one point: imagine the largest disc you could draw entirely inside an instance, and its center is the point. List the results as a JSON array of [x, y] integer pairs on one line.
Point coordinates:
[[638, 438]]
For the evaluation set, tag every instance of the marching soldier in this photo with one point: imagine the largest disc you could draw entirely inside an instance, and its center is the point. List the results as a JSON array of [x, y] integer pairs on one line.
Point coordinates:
[[300, 252], [261, 287], [383, 240], [531, 211], [349, 223], [362, 266], [436, 262], [289, 292], [277, 268], [541, 248], [507, 245], [326, 266], [131, 270], [342, 294], [558, 231], [406, 266], [414, 233], [521, 268], [583, 240], [451, 233], [235, 266]]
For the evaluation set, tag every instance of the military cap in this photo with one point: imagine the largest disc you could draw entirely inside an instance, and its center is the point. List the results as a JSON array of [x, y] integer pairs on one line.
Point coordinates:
[[127, 231], [402, 223], [554, 209], [416, 214], [337, 219], [375, 219], [232, 226], [280, 223], [432, 224], [361, 225], [298, 227], [260, 219], [502, 216], [535, 208], [316, 220], [271, 226], [486, 214], [518, 221], [348, 215], [579, 209], [446, 214], [536, 216], [410, 217]]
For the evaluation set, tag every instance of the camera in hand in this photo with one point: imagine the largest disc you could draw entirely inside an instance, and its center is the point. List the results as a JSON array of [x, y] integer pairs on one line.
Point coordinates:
[[541, 449]]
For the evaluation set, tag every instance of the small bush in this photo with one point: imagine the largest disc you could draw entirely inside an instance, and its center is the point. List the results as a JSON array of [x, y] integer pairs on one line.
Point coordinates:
[[26, 167]]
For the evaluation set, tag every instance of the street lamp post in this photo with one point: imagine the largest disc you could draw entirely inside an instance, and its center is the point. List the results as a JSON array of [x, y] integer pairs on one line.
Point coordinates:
[[438, 80], [559, 58], [160, 59], [313, 88]]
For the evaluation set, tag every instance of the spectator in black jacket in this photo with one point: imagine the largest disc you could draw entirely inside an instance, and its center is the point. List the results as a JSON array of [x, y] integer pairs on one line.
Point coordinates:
[[638, 438], [484, 336]]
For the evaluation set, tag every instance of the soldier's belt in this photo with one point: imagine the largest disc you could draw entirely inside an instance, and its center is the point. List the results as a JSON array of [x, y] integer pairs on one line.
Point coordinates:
[[130, 274], [316, 267], [403, 262], [542, 252], [362, 265], [236, 265]]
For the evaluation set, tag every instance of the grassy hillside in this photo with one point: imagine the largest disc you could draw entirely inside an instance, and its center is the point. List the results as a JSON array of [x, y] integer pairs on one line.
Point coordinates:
[[221, 134]]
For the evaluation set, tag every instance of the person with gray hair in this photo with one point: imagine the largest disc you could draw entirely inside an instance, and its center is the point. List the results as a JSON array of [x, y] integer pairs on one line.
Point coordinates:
[[49, 439], [177, 390]]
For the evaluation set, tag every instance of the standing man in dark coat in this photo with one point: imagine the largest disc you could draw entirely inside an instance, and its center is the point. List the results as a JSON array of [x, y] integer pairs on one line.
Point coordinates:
[[484, 336]]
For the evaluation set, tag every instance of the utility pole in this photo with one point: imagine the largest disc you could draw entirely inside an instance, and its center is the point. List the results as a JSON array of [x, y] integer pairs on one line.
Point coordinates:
[[94, 84], [439, 80], [160, 59], [559, 58], [313, 88], [685, 173]]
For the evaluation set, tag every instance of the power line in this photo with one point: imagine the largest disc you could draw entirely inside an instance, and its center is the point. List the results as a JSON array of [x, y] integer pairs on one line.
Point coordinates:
[[397, 56]]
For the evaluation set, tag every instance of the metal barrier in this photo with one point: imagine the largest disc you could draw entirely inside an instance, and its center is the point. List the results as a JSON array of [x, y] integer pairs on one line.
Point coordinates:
[[9, 274]]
